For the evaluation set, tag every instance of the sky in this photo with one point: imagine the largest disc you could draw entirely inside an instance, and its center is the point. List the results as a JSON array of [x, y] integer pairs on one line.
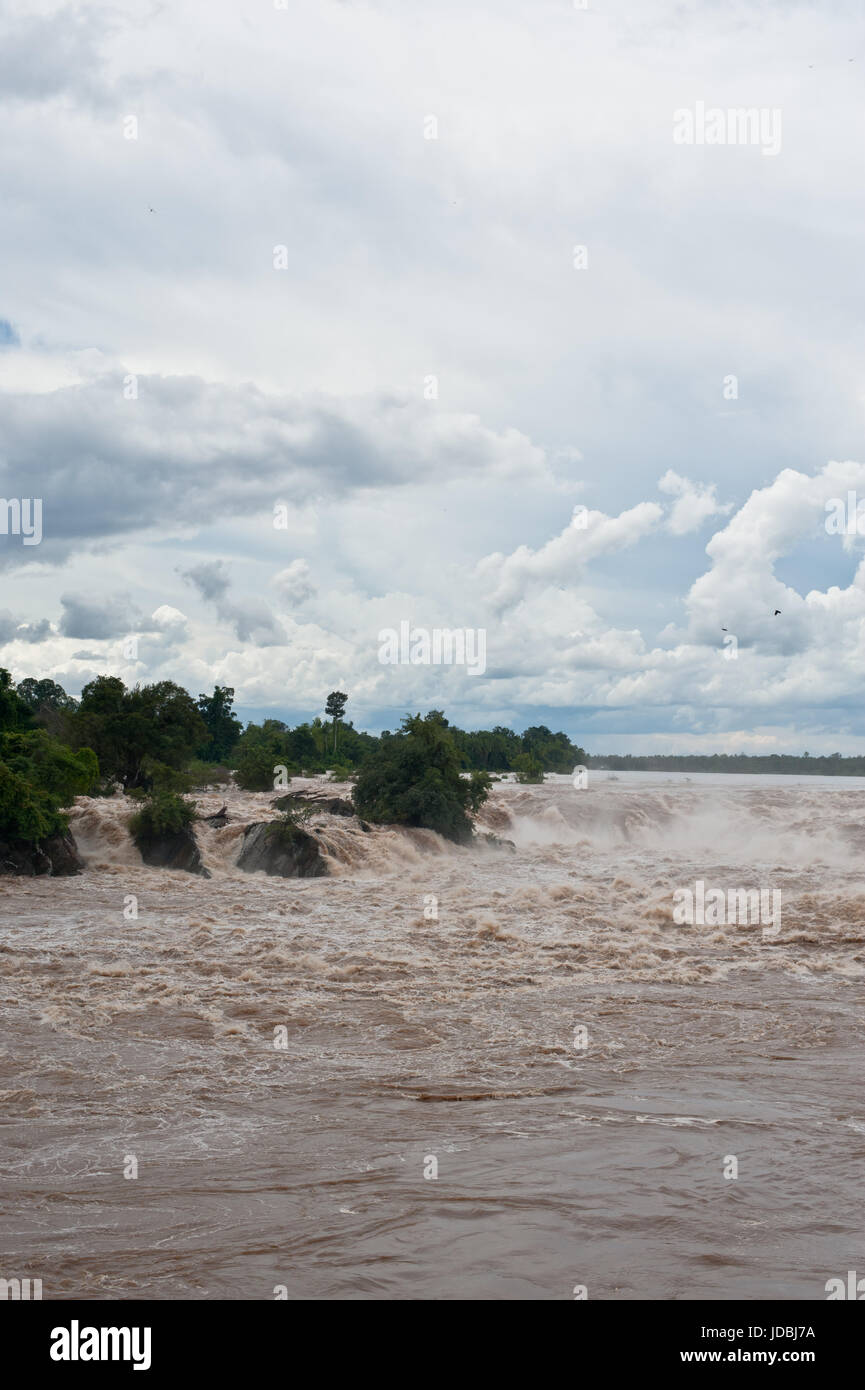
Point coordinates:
[[320, 317]]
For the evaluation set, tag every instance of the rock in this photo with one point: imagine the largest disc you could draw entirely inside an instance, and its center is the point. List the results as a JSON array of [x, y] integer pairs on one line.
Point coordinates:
[[498, 843], [175, 850], [333, 805], [292, 853], [56, 856]]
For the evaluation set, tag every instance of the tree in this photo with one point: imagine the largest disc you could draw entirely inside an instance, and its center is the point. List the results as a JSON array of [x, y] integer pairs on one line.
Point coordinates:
[[38, 776], [44, 694], [413, 778], [14, 713], [261, 749], [49, 765], [528, 769], [223, 727], [554, 752], [335, 707], [126, 728], [301, 747]]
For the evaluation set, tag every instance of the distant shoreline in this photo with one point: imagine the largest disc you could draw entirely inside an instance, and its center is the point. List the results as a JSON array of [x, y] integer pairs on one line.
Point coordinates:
[[831, 765]]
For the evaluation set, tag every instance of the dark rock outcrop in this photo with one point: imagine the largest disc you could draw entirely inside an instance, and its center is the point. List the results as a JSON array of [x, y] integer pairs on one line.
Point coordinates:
[[291, 853], [333, 805], [56, 856], [498, 843], [175, 850]]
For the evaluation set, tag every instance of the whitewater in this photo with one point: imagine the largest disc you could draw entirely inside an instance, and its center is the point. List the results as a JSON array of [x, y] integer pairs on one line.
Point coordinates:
[[284, 1058]]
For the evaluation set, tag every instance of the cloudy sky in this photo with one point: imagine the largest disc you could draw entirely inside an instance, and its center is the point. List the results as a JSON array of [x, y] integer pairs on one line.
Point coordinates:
[[298, 342]]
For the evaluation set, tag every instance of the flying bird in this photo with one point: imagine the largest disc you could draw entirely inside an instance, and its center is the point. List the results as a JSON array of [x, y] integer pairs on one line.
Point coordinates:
[[777, 611], [723, 629]]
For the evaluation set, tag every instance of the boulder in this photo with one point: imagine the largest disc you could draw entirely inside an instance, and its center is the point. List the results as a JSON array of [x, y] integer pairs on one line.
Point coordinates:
[[56, 856], [498, 843], [175, 850], [287, 852], [333, 805]]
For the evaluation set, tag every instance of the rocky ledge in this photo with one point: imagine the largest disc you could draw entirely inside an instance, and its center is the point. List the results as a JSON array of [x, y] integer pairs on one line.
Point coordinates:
[[333, 805], [176, 850], [56, 856], [286, 852]]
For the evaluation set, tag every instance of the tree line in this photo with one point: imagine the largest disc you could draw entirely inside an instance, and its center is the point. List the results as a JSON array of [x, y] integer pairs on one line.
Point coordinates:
[[825, 765], [156, 742]]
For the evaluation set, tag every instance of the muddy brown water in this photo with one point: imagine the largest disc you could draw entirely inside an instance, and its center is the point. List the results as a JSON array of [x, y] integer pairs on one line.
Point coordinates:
[[285, 1060]]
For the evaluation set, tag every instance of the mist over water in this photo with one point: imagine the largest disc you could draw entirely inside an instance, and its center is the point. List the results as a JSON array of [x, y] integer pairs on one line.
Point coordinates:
[[454, 1038]]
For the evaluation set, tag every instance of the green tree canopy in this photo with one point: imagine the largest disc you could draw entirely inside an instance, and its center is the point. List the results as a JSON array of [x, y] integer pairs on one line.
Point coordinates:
[[125, 727], [14, 713], [413, 778], [223, 727], [335, 708]]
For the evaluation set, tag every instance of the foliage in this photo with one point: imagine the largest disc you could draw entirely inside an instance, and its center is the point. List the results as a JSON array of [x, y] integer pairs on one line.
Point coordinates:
[[200, 774], [26, 813], [38, 776], [825, 765], [340, 772], [44, 695], [479, 789], [554, 752], [262, 748], [159, 777], [127, 727], [414, 779], [223, 728], [163, 813], [289, 825], [14, 713], [49, 765], [528, 768], [158, 743], [497, 749], [335, 708]]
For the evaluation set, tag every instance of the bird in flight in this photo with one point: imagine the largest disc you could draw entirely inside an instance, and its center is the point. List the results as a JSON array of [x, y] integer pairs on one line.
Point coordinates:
[[777, 611]]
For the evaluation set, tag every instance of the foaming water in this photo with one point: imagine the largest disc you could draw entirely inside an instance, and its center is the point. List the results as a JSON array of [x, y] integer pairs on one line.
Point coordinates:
[[283, 1058]]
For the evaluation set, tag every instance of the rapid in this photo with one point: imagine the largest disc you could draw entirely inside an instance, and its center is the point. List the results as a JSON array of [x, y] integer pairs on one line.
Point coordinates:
[[284, 1058]]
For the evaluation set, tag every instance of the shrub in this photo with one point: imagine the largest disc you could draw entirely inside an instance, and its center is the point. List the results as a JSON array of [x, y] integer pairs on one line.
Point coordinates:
[[202, 775], [159, 777], [528, 768], [129, 729], [49, 765], [290, 824], [38, 776], [26, 812], [413, 778], [479, 789], [254, 770], [340, 772], [163, 813]]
